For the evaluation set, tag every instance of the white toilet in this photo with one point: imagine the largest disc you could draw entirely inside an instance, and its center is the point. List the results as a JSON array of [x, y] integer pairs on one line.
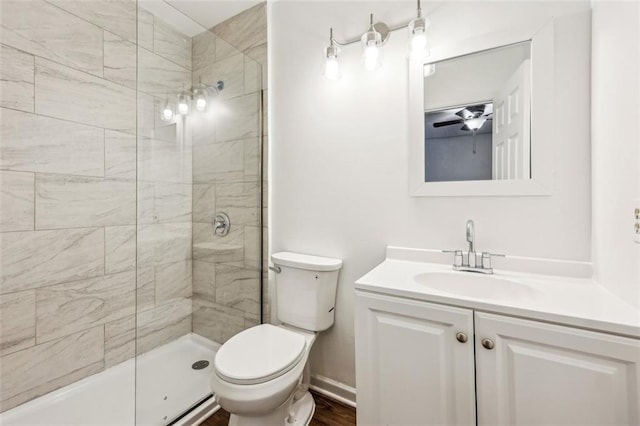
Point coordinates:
[[260, 375]]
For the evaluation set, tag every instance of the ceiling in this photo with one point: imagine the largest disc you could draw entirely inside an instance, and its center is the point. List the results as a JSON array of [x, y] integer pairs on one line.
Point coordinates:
[[192, 17]]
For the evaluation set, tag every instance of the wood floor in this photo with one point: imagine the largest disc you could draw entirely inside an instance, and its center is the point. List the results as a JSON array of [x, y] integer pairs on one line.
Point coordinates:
[[328, 413]]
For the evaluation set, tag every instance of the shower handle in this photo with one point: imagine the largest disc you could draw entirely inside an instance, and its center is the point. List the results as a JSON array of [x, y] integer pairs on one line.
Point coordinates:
[[221, 224]]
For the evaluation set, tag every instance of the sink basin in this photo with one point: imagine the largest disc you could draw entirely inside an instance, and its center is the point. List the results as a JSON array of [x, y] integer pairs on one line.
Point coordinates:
[[469, 284]]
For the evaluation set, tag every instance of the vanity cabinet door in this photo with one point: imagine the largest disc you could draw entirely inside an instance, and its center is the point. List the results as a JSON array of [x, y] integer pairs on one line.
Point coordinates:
[[544, 374], [411, 369]]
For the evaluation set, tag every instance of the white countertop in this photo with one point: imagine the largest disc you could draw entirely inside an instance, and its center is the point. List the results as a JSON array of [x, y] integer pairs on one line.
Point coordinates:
[[569, 300]]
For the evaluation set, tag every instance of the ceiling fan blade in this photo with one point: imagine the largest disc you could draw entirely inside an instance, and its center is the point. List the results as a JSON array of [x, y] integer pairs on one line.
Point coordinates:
[[465, 114], [447, 123]]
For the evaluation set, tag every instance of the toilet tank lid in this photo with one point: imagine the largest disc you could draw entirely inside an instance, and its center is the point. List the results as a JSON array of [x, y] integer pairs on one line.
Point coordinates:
[[306, 261]]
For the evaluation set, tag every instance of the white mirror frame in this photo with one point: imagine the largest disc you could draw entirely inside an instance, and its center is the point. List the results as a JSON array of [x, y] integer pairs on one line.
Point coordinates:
[[542, 117]]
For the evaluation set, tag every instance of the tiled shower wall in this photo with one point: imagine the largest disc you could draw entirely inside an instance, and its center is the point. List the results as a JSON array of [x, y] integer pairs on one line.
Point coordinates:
[[68, 187], [226, 173]]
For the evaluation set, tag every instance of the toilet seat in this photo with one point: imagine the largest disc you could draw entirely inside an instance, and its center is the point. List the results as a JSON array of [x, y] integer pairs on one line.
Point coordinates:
[[259, 354]]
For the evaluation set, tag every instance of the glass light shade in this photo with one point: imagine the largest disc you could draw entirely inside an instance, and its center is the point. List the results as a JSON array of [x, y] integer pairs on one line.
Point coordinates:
[[475, 123], [200, 99], [371, 50], [184, 104], [418, 42], [167, 112], [331, 69]]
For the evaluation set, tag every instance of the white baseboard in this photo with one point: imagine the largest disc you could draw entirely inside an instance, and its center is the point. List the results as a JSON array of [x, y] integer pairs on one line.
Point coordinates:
[[334, 389]]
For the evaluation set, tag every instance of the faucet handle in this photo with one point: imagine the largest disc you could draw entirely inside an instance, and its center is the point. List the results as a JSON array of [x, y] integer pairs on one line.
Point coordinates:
[[457, 256], [486, 259]]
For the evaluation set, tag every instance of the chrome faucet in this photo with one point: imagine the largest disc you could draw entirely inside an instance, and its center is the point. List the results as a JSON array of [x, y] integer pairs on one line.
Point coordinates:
[[471, 232], [472, 261]]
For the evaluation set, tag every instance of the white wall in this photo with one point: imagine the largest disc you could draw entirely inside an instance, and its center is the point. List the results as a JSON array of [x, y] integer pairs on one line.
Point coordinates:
[[616, 145], [339, 152]]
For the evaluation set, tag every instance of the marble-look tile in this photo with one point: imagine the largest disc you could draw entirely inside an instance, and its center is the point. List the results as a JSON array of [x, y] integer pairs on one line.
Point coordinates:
[[119, 155], [34, 259], [65, 201], [63, 92], [204, 202], [17, 206], [145, 29], [216, 322], [251, 159], [238, 288], [42, 29], [119, 341], [163, 324], [164, 161], [203, 49], [204, 280], [173, 281], [146, 289], [17, 321], [16, 79], [245, 30], [116, 16], [171, 202], [230, 70], [40, 369], [119, 60], [163, 243], [224, 49], [171, 44], [40, 144], [158, 76], [63, 309], [119, 248], [241, 119], [265, 114], [213, 248], [259, 54], [252, 75], [147, 114], [252, 248], [241, 201], [218, 162]]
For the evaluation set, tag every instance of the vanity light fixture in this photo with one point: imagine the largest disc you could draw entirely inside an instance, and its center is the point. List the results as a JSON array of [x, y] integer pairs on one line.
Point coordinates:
[[331, 68], [373, 40], [200, 96]]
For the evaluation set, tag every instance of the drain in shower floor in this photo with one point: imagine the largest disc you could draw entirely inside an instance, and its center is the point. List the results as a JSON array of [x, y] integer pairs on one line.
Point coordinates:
[[199, 365]]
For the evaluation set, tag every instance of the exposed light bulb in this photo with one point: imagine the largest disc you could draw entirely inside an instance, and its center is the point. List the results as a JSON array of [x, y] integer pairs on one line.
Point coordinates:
[[183, 104], [371, 58], [371, 47], [200, 97], [331, 65], [167, 112], [332, 68], [418, 43]]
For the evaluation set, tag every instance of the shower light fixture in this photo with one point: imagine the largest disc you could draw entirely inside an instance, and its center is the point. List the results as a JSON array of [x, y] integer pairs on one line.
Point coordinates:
[[199, 95], [184, 103], [373, 40], [167, 111]]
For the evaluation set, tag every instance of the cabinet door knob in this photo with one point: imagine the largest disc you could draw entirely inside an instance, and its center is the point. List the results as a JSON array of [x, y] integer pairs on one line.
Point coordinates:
[[487, 343], [462, 338]]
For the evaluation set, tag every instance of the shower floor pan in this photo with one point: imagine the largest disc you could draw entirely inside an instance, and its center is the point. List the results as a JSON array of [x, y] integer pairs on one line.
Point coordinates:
[[167, 387]]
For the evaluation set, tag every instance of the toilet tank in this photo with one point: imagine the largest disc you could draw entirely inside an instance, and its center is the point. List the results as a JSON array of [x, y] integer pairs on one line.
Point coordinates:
[[306, 289]]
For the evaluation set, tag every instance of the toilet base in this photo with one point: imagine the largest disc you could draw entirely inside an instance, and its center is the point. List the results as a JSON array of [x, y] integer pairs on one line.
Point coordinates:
[[297, 414]]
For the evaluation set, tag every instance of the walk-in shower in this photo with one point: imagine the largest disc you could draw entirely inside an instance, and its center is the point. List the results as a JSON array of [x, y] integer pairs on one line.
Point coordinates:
[[127, 128]]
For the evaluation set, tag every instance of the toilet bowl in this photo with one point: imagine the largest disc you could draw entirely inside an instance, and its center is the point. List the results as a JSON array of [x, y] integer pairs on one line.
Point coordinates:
[[261, 375]]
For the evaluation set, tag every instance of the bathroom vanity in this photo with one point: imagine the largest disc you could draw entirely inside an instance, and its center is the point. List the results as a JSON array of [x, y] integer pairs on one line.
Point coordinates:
[[544, 345]]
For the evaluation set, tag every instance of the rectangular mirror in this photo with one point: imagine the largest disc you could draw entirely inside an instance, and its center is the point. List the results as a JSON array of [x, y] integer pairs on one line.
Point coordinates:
[[477, 116]]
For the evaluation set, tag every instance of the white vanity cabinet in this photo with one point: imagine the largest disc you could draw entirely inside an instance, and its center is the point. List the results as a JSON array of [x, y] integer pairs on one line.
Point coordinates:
[[545, 374], [412, 370]]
